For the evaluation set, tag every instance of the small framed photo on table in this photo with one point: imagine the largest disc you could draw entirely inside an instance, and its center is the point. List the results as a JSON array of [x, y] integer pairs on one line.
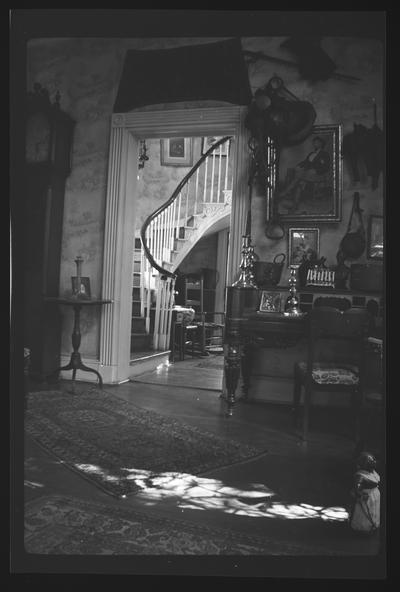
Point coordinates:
[[301, 242], [270, 302], [81, 287], [177, 152]]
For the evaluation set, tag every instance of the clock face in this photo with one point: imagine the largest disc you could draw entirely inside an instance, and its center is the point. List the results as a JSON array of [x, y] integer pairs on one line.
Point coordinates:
[[38, 138]]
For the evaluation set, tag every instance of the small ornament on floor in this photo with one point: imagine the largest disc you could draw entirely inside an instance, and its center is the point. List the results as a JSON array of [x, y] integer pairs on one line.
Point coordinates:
[[365, 513]]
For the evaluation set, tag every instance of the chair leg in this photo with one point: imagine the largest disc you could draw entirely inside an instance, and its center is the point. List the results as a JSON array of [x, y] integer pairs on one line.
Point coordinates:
[[296, 397], [357, 399], [307, 399], [182, 341]]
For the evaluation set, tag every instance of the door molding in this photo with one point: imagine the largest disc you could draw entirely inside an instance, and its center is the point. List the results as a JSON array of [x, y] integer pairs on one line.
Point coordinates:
[[126, 129]]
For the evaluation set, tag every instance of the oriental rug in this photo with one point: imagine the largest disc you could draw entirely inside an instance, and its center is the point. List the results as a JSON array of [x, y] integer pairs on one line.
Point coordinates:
[[110, 441], [60, 525]]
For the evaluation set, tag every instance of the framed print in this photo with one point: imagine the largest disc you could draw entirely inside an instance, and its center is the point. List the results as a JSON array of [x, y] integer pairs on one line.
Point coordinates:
[[375, 237], [209, 141], [309, 186], [177, 152], [301, 241], [270, 302]]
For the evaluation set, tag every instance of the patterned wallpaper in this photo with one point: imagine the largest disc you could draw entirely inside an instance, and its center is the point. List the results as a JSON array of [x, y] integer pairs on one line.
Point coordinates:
[[86, 71]]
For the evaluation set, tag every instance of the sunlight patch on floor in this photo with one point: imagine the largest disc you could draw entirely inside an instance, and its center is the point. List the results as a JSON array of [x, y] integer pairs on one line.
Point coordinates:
[[32, 484], [202, 493], [95, 470]]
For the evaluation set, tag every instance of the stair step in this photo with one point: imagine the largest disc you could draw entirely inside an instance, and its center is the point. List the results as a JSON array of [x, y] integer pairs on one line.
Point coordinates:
[[178, 242], [136, 293], [140, 341], [138, 325], [136, 309], [185, 231], [167, 265], [146, 362]]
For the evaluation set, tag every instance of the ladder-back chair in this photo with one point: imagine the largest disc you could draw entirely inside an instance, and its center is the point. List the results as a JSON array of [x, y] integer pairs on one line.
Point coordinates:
[[339, 369]]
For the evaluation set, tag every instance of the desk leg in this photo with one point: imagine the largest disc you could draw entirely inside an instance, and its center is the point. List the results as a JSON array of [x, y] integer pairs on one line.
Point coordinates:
[[248, 351], [232, 374]]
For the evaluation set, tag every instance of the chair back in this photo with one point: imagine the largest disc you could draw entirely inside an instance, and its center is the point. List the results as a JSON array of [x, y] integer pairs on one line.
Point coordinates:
[[331, 324]]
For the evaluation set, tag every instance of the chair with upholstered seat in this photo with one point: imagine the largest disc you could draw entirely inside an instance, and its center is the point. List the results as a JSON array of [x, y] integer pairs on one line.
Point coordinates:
[[335, 359]]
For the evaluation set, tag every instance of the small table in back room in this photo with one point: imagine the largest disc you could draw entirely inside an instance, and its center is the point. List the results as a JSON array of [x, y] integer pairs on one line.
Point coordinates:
[[75, 362]]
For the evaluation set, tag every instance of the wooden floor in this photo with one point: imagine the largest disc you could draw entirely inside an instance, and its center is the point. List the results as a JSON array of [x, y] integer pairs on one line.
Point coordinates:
[[318, 477]]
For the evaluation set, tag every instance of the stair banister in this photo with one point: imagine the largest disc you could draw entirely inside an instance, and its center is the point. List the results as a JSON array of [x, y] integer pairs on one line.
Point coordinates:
[[153, 263]]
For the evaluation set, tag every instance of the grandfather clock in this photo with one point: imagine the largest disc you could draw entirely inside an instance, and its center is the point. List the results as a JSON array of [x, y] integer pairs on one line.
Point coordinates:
[[49, 133]]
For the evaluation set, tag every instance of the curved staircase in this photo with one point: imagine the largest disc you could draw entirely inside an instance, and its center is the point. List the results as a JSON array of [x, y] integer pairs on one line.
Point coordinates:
[[200, 201]]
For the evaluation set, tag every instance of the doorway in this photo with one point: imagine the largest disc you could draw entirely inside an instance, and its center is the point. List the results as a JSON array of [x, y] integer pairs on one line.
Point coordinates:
[[189, 231], [121, 203]]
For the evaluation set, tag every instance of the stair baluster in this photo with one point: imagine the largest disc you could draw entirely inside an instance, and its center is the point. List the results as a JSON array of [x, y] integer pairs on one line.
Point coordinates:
[[212, 178], [162, 228]]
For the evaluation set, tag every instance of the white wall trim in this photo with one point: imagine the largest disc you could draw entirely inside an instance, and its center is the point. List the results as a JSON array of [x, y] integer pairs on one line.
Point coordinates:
[[222, 256], [126, 129]]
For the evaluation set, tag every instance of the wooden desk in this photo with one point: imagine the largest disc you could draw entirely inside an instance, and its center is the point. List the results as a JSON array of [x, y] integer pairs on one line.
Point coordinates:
[[245, 330], [75, 362]]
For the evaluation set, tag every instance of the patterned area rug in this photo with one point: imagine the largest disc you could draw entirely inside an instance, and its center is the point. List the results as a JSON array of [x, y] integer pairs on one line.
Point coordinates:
[[58, 525], [112, 442]]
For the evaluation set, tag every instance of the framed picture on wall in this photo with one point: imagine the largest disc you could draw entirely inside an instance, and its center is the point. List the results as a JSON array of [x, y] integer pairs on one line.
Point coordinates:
[[309, 186], [208, 141], [301, 241], [176, 152], [375, 237]]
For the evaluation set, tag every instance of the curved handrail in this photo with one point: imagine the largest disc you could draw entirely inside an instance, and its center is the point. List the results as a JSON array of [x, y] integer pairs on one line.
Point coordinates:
[[148, 220]]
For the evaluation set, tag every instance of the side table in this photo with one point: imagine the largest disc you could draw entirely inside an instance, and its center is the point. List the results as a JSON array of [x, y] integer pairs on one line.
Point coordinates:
[[75, 362]]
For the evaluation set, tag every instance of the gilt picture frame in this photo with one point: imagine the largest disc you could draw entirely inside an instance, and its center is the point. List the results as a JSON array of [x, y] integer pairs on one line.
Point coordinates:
[[300, 242], [270, 301], [309, 179], [176, 152]]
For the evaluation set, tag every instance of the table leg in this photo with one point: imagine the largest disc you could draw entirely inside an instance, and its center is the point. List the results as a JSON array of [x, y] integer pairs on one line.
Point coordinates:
[[232, 374], [75, 362], [247, 367]]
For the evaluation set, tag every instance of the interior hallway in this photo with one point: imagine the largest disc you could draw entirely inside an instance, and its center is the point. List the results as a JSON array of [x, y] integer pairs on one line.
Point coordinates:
[[302, 495]]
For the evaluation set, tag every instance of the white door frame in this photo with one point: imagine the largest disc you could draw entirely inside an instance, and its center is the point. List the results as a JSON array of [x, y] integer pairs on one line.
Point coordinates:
[[126, 129]]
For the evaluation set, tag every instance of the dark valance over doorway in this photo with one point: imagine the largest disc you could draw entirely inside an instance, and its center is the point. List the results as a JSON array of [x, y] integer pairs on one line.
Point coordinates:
[[212, 71]]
